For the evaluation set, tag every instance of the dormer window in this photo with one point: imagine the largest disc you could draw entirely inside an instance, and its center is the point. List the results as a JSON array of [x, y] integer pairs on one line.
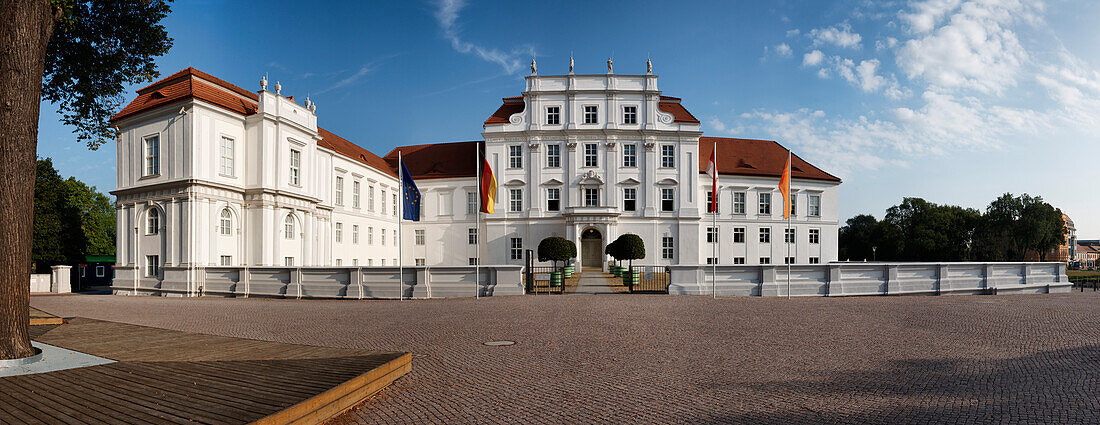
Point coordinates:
[[553, 115], [590, 115], [630, 115]]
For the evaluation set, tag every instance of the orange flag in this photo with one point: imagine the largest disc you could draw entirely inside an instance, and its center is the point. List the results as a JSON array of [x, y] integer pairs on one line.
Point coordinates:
[[785, 187]]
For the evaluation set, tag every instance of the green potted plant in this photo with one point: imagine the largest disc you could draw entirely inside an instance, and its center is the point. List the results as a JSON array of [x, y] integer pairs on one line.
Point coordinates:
[[556, 249], [630, 247]]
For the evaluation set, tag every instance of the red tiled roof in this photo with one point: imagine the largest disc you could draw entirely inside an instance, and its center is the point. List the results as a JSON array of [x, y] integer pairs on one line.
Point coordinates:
[[512, 105], [355, 152], [438, 160], [671, 105], [190, 83], [748, 157]]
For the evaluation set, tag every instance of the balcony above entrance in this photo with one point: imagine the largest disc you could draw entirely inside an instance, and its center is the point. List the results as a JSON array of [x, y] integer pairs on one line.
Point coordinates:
[[590, 214]]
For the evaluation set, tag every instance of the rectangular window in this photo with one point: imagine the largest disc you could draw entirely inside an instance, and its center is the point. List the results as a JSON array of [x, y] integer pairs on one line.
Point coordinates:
[[712, 260], [710, 201], [590, 157], [419, 236], [765, 207], [382, 233], [394, 196], [765, 260], [788, 235], [738, 202], [152, 265], [227, 260], [355, 194], [630, 115], [472, 261], [630, 155], [666, 247], [370, 234], [515, 200], [516, 251], [668, 156], [668, 200], [738, 260], [419, 261], [370, 198], [339, 262], [394, 237], [814, 209], [339, 232], [788, 260], [100, 271], [515, 156], [339, 190], [382, 197], [590, 115], [446, 203], [553, 199], [288, 261], [793, 203], [765, 235], [225, 166], [712, 235], [355, 261], [295, 167], [355, 234], [630, 199], [471, 236], [553, 115], [370, 262], [471, 203], [383, 261], [553, 156], [591, 197], [815, 236], [815, 260], [738, 235], [152, 156]]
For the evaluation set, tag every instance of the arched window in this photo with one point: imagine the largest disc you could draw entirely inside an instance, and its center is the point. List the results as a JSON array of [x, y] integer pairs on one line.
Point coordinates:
[[225, 223], [153, 222], [288, 226]]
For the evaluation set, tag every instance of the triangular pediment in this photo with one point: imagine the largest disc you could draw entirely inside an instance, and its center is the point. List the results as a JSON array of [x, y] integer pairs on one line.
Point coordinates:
[[515, 182], [552, 182], [630, 182]]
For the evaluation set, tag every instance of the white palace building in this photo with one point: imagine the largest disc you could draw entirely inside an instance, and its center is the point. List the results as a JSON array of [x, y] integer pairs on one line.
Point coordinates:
[[210, 174]]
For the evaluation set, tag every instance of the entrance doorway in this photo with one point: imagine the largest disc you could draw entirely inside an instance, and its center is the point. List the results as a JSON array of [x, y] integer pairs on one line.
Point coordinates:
[[592, 248]]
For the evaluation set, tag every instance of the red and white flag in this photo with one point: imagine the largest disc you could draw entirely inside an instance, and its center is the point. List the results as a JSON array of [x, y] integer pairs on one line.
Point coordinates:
[[712, 171]]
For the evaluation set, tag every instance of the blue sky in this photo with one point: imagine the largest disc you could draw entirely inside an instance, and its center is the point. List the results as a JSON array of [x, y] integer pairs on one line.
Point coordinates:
[[953, 101]]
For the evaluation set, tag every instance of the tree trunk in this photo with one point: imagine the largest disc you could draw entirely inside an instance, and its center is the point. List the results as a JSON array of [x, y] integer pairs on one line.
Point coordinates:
[[25, 29]]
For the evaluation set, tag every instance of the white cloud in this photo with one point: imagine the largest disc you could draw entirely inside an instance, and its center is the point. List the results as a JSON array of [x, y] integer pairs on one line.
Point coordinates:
[[865, 76], [347, 80], [974, 48], [813, 58], [793, 33], [887, 43], [783, 50], [447, 16], [838, 35]]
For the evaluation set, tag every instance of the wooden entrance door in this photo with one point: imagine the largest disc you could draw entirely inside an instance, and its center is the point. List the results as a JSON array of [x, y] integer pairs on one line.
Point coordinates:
[[592, 248]]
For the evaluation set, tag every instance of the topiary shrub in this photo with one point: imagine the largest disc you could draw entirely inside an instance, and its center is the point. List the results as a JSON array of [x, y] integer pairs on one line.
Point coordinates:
[[630, 247], [556, 248]]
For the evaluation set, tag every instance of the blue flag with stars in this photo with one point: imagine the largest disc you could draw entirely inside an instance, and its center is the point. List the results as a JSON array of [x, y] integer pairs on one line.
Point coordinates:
[[410, 200]]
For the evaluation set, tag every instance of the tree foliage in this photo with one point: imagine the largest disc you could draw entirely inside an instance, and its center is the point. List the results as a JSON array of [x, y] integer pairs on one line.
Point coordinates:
[[917, 230], [612, 250], [630, 247], [98, 48], [71, 220], [556, 248]]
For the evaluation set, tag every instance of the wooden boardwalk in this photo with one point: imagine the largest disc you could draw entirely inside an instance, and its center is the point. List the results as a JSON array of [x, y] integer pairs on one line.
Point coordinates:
[[39, 317], [164, 376]]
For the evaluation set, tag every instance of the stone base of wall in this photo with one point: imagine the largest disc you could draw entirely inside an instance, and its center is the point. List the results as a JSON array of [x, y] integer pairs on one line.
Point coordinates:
[[855, 279], [324, 282]]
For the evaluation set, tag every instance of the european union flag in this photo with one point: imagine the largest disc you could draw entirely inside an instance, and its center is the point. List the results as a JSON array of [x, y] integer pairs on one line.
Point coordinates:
[[410, 200]]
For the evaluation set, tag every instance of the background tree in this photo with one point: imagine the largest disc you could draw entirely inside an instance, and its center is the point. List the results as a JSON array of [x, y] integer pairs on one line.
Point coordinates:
[[612, 250], [79, 55], [71, 220]]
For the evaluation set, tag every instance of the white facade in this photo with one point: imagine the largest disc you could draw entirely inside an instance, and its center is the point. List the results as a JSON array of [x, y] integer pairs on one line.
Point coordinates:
[[223, 176]]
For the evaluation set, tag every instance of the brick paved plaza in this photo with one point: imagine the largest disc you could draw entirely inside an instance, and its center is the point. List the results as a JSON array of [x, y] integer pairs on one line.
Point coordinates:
[[682, 359]]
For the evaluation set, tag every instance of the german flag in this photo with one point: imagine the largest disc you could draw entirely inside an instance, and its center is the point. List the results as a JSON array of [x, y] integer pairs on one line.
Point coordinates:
[[785, 187], [488, 184]]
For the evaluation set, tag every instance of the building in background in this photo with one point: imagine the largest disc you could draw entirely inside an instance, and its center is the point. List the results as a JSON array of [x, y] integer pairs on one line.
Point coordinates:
[[1065, 252], [212, 174]]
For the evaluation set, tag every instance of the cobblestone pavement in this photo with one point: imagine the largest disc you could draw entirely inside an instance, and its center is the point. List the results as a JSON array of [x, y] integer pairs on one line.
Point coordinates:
[[682, 359]]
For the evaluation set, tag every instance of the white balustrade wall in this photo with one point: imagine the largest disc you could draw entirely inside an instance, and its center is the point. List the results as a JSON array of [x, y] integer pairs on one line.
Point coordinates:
[[324, 282], [847, 279]]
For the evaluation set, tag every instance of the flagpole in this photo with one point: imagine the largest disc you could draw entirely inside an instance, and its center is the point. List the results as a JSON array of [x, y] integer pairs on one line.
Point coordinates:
[[714, 222], [789, 207], [400, 220], [477, 220]]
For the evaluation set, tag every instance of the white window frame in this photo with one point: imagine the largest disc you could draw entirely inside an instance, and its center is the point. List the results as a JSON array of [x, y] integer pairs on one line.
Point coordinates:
[[739, 202], [515, 249], [471, 236], [815, 260], [553, 194], [739, 234], [630, 114], [765, 260], [814, 207], [765, 235], [355, 234], [382, 200], [225, 260], [790, 235], [591, 197], [152, 266], [288, 227], [553, 115], [100, 271], [630, 155], [225, 222], [515, 200], [738, 260], [667, 247], [295, 168], [553, 155], [515, 156], [630, 194], [591, 114], [339, 190], [356, 188], [418, 237], [668, 195], [152, 155], [288, 261], [591, 159], [370, 198], [418, 262], [668, 156], [712, 234], [339, 232], [152, 222], [814, 236], [226, 165], [764, 203]]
